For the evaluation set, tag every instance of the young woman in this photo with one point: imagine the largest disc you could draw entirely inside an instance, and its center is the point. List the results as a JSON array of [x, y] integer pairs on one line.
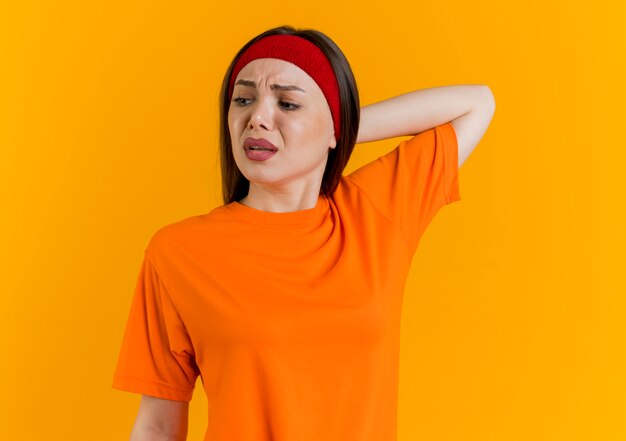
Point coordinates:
[[286, 300]]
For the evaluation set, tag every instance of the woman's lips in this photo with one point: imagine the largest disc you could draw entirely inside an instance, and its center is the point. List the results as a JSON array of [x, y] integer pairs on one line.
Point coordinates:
[[259, 149], [260, 142]]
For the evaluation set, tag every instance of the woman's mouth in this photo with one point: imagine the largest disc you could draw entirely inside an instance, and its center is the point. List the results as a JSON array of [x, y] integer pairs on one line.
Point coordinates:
[[259, 149]]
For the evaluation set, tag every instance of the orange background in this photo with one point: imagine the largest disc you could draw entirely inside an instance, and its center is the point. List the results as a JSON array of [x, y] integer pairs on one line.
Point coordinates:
[[513, 320]]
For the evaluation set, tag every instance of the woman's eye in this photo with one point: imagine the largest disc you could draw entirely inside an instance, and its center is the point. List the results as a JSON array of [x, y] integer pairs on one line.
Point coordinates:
[[241, 101], [289, 106]]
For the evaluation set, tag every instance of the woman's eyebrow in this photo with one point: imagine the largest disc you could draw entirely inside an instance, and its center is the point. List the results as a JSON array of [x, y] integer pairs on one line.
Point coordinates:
[[252, 84], [282, 87]]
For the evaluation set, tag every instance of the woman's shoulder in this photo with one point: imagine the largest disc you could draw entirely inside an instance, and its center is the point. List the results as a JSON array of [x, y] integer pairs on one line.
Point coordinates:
[[190, 230]]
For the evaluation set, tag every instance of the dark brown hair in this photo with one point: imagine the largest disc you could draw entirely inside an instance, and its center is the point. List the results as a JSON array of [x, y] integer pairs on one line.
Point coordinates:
[[235, 185]]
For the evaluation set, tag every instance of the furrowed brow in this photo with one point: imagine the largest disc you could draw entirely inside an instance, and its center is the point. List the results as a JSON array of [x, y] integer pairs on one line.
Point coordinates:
[[281, 87], [252, 84], [246, 83]]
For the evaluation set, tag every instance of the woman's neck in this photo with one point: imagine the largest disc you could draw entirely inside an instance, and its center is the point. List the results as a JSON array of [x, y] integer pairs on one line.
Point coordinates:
[[265, 199]]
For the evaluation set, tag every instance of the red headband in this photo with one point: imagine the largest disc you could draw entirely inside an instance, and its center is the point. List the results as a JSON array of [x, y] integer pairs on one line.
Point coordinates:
[[304, 54]]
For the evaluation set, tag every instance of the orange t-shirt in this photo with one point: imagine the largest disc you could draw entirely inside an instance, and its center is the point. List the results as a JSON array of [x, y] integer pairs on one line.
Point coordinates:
[[292, 320]]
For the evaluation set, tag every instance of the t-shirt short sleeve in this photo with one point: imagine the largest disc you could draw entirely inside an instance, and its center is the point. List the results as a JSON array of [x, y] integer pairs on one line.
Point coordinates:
[[412, 182], [156, 356]]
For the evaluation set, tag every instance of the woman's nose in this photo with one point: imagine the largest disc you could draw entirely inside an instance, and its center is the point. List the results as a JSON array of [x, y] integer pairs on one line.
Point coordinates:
[[261, 115]]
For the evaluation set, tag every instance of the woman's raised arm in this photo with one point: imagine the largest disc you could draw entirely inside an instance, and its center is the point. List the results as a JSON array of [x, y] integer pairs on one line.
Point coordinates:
[[472, 106]]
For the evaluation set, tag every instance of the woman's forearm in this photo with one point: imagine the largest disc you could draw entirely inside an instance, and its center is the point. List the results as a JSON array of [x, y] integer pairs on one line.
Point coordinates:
[[420, 110]]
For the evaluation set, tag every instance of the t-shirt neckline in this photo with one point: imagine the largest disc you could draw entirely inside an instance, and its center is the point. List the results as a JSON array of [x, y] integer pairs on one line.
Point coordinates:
[[300, 218]]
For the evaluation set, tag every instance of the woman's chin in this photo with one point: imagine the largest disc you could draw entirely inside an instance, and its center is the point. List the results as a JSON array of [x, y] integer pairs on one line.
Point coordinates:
[[261, 179]]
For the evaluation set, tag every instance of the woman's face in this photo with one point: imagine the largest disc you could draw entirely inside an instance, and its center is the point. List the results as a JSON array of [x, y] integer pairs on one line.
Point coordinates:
[[276, 102]]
